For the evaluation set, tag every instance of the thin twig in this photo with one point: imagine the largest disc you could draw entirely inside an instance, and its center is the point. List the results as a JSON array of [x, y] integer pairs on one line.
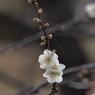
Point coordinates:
[[77, 68], [77, 85], [54, 90], [43, 29]]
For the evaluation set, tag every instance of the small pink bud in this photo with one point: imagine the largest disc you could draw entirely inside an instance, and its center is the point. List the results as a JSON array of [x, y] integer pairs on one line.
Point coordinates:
[[37, 20], [29, 1], [40, 11], [43, 38], [54, 50], [46, 25], [43, 44], [49, 36], [36, 3], [40, 27]]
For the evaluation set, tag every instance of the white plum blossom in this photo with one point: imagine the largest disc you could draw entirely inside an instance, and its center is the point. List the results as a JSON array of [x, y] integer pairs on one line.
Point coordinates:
[[53, 76], [47, 59], [57, 67], [54, 73], [90, 10]]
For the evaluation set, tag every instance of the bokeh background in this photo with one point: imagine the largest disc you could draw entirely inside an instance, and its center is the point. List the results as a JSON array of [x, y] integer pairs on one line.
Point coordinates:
[[19, 68]]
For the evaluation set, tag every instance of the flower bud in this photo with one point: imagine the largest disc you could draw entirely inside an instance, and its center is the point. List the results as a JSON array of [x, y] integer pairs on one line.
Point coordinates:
[[85, 80], [43, 44], [54, 50], [37, 20], [40, 11], [30, 1], [46, 25], [43, 38], [84, 71], [40, 27], [79, 75], [49, 36], [36, 3]]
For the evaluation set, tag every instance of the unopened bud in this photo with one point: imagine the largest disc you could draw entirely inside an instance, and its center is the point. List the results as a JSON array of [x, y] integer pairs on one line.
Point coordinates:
[[85, 80], [30, 1], [40, 27], [46, 25], [36, 3], [54, 50], [49, 36], [79, 75], [43, 38], [43, 44], [40, 11], [37, 20], [84, 71]]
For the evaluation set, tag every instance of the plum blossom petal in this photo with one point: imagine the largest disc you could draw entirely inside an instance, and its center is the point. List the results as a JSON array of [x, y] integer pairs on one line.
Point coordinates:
[[49, 53], [90, 10], [53, 76], [59, 79], [47, 59], [57, 67], [50, 80]]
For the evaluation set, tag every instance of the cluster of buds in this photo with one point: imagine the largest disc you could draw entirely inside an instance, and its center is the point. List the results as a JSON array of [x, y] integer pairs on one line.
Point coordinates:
[[82, 76], [45, 26], [37, 20], [41, 27], [54, 70], [43, 38]]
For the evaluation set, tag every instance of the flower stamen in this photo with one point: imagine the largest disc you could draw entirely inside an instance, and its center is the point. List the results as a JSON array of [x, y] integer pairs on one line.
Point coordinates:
[[48, 59]]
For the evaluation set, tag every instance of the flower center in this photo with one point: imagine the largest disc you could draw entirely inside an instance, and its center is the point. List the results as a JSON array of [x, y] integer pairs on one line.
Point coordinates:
[[53, 74], [48, 59], [55, 67]]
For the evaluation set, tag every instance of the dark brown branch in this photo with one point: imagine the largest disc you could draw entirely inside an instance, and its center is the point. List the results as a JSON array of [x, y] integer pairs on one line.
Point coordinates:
[[54, 90]]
